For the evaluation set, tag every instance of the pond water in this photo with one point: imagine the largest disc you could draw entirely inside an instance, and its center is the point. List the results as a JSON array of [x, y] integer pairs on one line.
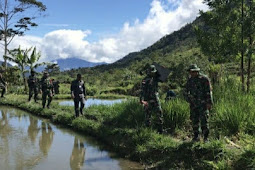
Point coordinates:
[[29, 142], [92, 101]]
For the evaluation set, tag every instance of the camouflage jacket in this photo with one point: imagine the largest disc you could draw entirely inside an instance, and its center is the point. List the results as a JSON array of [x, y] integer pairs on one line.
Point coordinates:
[[32, 81], [46, 85], [149, 89], [199, 91]]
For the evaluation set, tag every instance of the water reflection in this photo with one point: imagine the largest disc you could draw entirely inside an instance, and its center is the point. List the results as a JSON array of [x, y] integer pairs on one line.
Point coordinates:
[[78, 154], [46, 139], [33, 129], [27, 142], [92, 101]]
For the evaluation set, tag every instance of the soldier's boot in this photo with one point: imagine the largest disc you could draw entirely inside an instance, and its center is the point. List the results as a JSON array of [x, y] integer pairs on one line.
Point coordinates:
[[35, 99], [196, 137], [206, 134], [76, 112], [49, 101], [3, 92], [43, 103], [81, 112], [148, 123], [160, 129]]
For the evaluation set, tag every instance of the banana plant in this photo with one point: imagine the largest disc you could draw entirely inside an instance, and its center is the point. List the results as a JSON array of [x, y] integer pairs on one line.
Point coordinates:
[[19, 57], [33, 58]]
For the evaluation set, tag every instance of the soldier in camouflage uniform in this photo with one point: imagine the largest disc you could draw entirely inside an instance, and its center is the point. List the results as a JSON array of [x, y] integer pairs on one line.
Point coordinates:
[[46, 89], [78, 93], [32, 84], [150, 97], [199, 95]]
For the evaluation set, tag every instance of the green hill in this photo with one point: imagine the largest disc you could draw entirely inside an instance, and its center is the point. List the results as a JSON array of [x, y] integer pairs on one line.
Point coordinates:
[[175, 51]]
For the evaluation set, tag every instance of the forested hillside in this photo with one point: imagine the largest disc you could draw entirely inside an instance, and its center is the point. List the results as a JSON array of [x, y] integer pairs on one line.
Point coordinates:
[[175, 51]]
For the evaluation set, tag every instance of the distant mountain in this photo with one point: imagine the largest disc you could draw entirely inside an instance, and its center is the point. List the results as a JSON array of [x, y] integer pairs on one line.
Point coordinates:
[[74, 63], [71, 63], [8, 64]]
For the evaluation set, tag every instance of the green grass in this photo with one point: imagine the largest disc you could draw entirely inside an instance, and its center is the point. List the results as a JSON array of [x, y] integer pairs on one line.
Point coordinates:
[[121, 126]]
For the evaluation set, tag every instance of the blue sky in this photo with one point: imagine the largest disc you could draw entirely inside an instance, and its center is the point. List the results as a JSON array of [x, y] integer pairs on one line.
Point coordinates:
[[105, 30], [102, 17]]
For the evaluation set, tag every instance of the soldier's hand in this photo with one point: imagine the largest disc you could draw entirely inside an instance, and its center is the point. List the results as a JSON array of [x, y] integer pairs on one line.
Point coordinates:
[[40, 91], [144, 103], [209, 106], [72, 96]]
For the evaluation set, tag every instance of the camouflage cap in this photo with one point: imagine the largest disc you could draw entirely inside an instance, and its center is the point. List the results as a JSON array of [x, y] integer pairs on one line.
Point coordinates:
[[153, 69], [193, 67]]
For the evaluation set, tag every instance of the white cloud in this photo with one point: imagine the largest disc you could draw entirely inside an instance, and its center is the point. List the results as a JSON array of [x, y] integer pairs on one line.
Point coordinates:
[[161, 20]]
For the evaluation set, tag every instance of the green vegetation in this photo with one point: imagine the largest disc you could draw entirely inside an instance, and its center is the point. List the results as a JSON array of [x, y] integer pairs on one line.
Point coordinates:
[[221, 43], [121, 126], [17, 17]]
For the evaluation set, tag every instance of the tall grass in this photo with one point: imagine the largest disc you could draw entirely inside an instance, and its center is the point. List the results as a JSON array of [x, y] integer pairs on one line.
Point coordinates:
[[234, 110], [176, 114]]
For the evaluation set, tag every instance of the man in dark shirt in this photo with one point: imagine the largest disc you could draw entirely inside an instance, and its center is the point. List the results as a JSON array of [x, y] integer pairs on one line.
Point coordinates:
[[2, 85], [78, 93]]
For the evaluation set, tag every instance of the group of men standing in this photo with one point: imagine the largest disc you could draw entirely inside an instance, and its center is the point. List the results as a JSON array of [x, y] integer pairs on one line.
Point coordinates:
[[46, 88], [198, 94]]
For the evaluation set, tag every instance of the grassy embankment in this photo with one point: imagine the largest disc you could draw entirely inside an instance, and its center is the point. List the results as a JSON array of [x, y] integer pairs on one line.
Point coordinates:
[[232, 141]]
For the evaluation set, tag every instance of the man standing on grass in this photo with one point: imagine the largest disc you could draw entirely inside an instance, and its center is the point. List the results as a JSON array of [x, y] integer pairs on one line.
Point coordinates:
[[2, 85], [78, 94], [46, 89], [199, 96], [150, 97], [32, 84]]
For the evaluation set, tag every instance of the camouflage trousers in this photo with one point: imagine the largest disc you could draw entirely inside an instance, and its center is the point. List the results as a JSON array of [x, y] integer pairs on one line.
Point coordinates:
[[77, 101], [200, 115], [46, 94], [33, 91], [153, 106]]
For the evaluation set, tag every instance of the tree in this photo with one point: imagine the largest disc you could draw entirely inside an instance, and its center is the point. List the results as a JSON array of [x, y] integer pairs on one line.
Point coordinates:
[[52, 68], [15, 19], [223, 34], [33, 58], [19, 57]]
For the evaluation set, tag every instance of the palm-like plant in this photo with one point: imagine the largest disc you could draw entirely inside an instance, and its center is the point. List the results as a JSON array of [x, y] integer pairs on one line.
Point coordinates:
[[33, 58], [19, 57]]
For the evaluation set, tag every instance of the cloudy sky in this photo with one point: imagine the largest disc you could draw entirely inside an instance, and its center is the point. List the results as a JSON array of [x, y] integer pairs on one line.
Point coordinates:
[[105, 31]]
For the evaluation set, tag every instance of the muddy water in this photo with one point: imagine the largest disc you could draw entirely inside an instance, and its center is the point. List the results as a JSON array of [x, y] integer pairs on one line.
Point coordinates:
[[91, 101], [28, 142]]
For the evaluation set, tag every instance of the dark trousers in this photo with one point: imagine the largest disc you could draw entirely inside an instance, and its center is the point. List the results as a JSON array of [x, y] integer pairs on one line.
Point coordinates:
[[44, 98], [3, 91], [33, 91], [77, 101]]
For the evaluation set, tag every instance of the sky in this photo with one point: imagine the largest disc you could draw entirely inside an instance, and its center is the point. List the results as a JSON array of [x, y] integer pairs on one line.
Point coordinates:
[[105, 30]]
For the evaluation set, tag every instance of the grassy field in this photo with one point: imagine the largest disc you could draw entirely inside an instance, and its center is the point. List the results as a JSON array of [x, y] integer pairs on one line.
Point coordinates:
[[121, 126]]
